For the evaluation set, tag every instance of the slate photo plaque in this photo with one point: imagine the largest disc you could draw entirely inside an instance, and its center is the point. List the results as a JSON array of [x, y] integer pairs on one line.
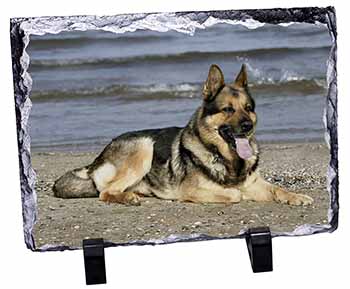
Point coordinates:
[[168, 127]]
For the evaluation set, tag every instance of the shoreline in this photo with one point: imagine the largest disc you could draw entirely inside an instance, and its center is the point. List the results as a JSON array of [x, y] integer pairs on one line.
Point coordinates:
[[70, 148], [298, 167]]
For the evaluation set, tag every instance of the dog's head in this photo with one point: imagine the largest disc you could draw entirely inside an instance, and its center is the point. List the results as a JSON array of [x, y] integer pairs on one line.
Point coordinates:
[[229, 110]]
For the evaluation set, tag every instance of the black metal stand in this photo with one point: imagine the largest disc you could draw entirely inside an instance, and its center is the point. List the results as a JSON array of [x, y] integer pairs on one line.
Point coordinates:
[[94, 260], [259, 243]]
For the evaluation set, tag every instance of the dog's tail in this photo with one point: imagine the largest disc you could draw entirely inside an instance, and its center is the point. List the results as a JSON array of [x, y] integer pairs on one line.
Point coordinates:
[[75, 184]]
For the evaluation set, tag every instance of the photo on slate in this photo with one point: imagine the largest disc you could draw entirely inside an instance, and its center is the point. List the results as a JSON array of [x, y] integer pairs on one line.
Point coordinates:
[[148, 135]]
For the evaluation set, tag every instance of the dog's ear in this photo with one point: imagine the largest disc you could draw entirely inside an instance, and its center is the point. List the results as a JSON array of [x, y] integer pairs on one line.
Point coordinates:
[[242, 77], [213, 83]]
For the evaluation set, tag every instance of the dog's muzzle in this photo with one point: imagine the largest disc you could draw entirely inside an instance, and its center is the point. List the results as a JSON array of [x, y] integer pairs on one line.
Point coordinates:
[[238, 141], [227, 133], [246, 126]]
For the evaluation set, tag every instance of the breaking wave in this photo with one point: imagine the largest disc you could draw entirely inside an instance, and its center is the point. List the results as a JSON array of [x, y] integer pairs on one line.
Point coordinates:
[[193, 56], [288, 86]]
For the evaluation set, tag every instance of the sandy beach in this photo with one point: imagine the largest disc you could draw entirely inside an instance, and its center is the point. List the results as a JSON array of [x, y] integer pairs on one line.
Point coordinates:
[[299, 167]]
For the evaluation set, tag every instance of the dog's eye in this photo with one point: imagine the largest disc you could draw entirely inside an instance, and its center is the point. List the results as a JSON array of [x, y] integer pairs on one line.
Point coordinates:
[[228, 109]]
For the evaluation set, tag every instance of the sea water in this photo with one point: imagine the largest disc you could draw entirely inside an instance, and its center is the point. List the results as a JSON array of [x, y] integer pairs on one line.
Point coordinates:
[[89, 87]]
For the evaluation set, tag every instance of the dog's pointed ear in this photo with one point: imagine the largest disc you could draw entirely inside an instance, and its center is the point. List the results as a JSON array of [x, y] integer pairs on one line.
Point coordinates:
[[213, 83], [242, 77]]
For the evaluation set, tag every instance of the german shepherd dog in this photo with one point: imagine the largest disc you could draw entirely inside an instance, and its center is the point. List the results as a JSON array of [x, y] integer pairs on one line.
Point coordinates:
[[213, 159]]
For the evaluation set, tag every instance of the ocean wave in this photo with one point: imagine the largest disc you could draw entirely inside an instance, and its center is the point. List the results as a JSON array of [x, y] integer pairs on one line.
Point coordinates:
[[66, 42], [183, 90], [193, 56], [290, 87], [123, 91]]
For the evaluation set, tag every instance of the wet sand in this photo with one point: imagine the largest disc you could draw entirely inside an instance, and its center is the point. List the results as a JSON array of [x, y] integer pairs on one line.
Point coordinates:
[[299, 167]]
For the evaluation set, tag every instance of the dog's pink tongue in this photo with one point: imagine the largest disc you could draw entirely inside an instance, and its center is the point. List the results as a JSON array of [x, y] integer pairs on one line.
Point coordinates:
[[243, 148]]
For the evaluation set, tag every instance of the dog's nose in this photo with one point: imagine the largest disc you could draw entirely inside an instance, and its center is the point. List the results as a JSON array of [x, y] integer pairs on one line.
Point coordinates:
[[246, 126]]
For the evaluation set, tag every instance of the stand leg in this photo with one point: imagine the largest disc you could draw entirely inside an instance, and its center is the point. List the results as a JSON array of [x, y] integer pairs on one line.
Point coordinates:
[[94, 260], [259, 243]]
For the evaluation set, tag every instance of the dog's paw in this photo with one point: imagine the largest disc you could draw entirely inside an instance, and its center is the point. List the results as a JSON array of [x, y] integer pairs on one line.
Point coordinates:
[[105, 196], [126, 198], [131, 198], [300, 200]]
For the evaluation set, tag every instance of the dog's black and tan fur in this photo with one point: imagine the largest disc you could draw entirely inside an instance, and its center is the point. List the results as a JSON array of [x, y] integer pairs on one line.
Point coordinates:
[[213, 159]]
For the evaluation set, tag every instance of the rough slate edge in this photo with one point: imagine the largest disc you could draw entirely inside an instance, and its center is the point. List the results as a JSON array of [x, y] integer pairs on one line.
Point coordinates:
[[23, 83]]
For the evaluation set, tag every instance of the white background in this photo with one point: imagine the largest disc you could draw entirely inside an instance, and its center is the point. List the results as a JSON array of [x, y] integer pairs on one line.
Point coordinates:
[[318, 261]]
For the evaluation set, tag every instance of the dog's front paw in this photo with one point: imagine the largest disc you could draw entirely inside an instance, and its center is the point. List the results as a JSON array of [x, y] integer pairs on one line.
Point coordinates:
[[299, 200], [126, 198], [285, 197], [105, 197], [131, 198]]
